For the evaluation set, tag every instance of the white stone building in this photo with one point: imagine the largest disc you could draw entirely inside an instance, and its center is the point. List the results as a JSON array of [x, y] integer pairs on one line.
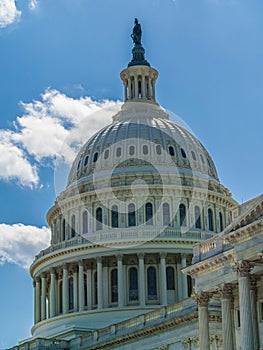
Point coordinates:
[[141, 193]]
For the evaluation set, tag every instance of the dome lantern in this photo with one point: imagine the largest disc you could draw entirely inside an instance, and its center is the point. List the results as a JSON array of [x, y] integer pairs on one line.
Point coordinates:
[[139, 78]]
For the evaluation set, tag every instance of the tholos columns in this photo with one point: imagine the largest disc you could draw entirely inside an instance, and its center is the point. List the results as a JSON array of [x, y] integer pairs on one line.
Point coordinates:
[[243, 269], [99, 281], [184, 277], [120, 282], [141, 280], [37, 307], [202, 300], [81, 286], [163, 279], [52, 293], [43, 297], [226, 301], [65, 296]]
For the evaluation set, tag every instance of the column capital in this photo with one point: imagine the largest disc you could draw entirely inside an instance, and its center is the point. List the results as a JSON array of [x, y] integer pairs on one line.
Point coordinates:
[[243, 268], [37, 279], [43, 275], [99, 259], [141, 255], [34, 284], [65, 266], [163, 255], [52, 270], [202, 298], [226, 291], [81, 263], [119, 257]]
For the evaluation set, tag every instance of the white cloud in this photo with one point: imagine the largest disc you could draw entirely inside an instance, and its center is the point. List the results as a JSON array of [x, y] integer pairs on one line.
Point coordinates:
[[33, 4], [20, 243], [54, 123], [13, 162], [8, 13]]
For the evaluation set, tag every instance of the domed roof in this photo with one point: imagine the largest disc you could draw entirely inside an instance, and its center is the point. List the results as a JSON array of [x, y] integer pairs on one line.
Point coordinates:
[[141, 138]]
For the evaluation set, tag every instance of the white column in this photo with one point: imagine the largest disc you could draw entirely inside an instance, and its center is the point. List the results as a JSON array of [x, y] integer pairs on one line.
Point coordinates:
[[243, 269], [52, 296], [43, 297], [99, 282], [89, 287], [143, 86], [81, 286], [129, 89], [202, 300], [120, 281], [184, 277], [136, 86], [179, 279], [37, 308], [35, 301], [141, 280], [65, 300], [75, 288], [163, 279], [253, 299], [227, 331]]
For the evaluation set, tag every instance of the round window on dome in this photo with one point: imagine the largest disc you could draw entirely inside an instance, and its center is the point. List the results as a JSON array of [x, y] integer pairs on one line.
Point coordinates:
[[159, 150], [86, 160], [145, 149], [95, 157], [171, 151], [118, 152], [106, 154], [193, 155], [183, 153], [131, 150]]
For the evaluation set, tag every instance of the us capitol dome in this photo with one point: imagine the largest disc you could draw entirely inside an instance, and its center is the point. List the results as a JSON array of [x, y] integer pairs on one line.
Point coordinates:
[[140, 193]]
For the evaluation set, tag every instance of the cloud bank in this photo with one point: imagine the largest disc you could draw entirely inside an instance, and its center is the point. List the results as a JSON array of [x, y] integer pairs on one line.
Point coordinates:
[[46, 125], [20, 243], [8, 13]]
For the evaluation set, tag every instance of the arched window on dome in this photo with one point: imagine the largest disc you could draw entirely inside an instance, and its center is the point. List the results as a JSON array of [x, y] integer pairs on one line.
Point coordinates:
[[106, 154], [210, 220], [60, 288], [131, 215], [140, 88], [197, 217], [158, 150], [85, 221], [182, 214], [183, 153], [85, 290], [71, 293], [99, 219], [170, 278], [133, 284], [145, 150], [221, 224], [63, 230], [95, 157], [193, 155], [149, 213], [95, 288], [171, 151], [86, 160], [73, 226], [131, 150], [114, 216], [166, 214], [114, 286], [118, 152], [202, 159], [151, 283]]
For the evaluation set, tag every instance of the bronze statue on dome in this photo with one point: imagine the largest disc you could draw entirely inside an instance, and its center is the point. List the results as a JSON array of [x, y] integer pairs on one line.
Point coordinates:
[[136, 33]]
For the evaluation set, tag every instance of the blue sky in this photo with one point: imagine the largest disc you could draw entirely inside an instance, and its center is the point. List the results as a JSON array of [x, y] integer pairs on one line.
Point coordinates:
[[60, 61]]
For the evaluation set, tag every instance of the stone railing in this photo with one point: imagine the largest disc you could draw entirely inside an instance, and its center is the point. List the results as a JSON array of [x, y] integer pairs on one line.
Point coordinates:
[[120, 236], [42, 344], [210, 247]]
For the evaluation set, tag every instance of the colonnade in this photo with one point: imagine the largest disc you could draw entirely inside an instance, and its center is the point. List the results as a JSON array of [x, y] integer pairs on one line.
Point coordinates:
[[245, 317], [90, 284]]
